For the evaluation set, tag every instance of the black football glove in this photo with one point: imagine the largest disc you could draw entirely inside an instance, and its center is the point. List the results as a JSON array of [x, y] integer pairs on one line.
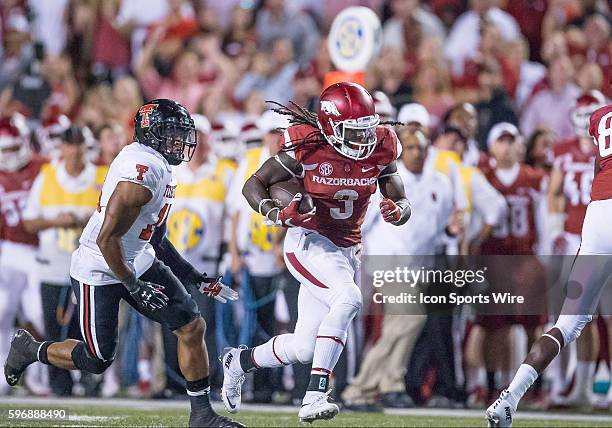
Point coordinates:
[[146, 294]]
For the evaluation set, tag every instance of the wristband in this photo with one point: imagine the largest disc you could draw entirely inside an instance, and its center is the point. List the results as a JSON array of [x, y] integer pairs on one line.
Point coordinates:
[[131, 283], [277, 221], [263, 201]]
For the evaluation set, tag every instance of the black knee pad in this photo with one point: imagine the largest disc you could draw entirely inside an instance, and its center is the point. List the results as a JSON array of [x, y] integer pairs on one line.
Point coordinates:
[[84, 360]]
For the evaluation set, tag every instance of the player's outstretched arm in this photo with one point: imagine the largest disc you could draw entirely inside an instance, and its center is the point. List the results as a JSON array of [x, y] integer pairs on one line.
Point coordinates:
[[282, 167], [394, 208], [121, 212], [185, 272]]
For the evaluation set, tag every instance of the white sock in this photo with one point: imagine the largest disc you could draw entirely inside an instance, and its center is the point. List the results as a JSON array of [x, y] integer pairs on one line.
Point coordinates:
[[525, 377], [585, 370], [609, 394], [329, 346], [144, 370], [276, 352]]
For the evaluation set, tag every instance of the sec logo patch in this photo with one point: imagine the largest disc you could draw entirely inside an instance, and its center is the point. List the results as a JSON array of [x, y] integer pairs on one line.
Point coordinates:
[[326, 169]]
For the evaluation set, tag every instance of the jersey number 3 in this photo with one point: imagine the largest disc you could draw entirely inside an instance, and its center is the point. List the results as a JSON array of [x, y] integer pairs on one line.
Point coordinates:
[[147, 232], [347, 196]]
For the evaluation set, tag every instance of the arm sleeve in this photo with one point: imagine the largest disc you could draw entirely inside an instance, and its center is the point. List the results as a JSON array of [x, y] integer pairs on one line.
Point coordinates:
[[165, 251], [32, 209]]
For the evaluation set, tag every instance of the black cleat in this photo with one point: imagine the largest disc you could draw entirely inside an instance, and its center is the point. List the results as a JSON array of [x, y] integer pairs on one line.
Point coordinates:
[[22, 353], [212, 420]]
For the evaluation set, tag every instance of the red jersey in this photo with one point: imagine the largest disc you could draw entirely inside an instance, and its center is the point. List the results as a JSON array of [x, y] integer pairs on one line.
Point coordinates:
[[577, 169], [340, 187], [516, 234], [600, 129], [14, 190]]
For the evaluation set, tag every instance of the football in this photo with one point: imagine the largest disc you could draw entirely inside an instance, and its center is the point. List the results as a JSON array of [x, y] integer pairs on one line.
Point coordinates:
[[283, 193]]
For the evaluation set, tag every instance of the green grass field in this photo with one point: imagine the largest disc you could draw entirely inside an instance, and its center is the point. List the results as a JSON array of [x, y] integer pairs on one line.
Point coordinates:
[[135, 415]]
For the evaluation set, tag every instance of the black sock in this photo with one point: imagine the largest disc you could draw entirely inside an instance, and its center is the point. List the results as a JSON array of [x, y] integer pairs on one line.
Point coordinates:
[[246, 361], [318, 382], [42, 352], [198, 391]]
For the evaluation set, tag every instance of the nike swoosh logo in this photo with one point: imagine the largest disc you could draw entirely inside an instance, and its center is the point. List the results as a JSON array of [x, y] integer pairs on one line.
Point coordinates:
[[232, 405], [367, 169], [309, 167]]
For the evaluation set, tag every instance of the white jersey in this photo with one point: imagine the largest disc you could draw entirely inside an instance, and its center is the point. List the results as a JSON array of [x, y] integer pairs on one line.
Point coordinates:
[[431, 195], [138, 164]]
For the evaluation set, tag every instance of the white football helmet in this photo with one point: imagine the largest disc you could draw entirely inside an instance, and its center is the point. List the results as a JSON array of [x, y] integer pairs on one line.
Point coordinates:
[[15, 150], [586, 104]]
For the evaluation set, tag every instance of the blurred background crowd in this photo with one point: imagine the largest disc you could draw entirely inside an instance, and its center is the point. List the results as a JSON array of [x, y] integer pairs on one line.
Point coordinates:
[[493, 96]]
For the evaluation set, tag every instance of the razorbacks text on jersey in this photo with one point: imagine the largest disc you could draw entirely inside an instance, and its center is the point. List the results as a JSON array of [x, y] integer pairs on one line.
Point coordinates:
[[340, 187], [516, 234], [600, 129], [577, 169], [142, 165]]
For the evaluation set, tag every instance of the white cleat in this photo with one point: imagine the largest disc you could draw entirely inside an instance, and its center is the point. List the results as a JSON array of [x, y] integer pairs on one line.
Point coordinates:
[[318, 408], [500, 413], [233, 378]]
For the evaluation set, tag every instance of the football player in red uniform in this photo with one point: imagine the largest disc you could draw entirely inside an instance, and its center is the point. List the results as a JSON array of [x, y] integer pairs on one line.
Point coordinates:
[[340, 155], [588, 277], [568, 196], [18, 169]]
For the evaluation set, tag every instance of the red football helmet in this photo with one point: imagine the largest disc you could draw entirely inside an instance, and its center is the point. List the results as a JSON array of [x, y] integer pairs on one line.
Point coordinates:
[[586, 104], [347, 118], [15, 151]]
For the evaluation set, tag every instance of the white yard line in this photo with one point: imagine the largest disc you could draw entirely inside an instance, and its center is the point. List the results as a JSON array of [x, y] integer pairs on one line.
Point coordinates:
[[135, 404]]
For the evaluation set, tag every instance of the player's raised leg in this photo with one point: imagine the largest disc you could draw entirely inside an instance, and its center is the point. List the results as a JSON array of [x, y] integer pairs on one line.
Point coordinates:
[[281, 350], [589, 276]]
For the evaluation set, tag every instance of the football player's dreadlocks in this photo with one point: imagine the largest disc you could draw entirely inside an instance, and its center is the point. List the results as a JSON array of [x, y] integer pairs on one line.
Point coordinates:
[[299, 115]]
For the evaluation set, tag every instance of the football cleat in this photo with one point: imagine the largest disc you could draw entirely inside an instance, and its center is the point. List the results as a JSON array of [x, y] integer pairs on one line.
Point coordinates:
[[318, 408], [212, 420], [501, 412], [22, 353], [233, 378]]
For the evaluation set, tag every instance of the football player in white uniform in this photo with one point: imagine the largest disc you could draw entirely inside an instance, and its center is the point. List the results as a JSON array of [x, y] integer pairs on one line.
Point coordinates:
[[124, 254]]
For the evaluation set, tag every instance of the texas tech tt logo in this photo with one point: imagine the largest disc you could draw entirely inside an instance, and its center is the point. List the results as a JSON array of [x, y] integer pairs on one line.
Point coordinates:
[[145, 111], [141, 170]]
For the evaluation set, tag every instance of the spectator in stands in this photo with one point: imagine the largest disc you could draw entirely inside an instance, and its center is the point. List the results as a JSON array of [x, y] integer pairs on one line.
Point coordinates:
[[528, 73], [432, 90], [275, 22], [239, 37], [464, 37], [272, 74], [494, 105], [182, 85], [111, 139], [410, 23], [552, 107], [388, 75]]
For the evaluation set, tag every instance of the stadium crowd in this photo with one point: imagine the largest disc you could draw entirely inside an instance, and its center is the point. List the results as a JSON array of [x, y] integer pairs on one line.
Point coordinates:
[[488, 94]]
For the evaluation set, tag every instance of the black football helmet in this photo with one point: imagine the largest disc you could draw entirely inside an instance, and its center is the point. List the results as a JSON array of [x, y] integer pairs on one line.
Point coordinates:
[[168, 128]]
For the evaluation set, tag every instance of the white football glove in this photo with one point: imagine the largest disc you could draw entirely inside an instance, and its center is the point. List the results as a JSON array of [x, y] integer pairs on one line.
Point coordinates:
[[213, 287]]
